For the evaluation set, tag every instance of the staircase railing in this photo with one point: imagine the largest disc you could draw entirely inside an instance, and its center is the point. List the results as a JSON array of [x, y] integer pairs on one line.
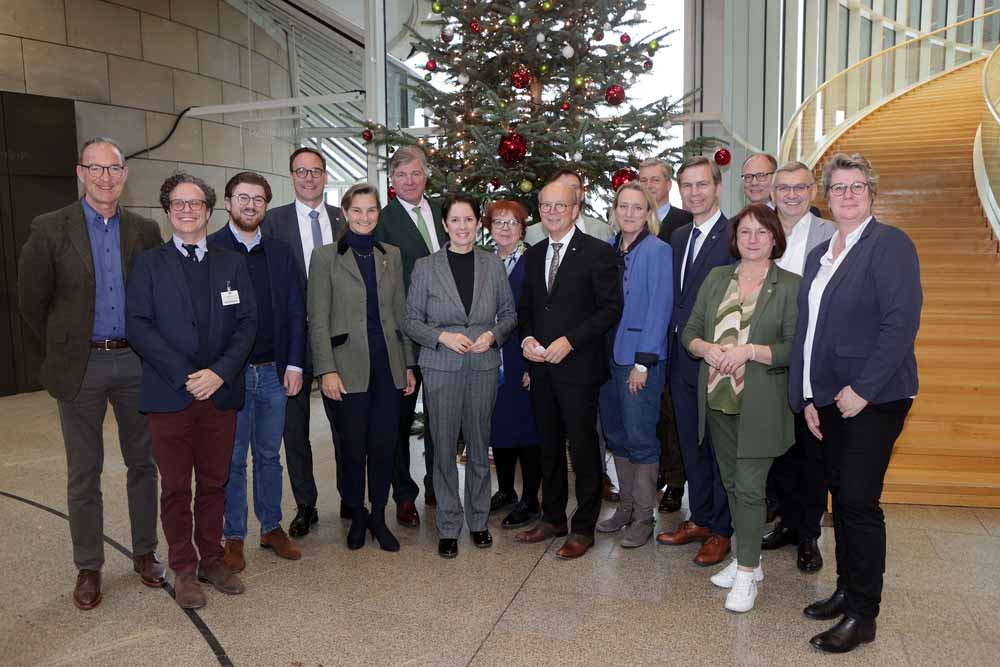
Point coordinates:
[[856, 91], [986, 154]]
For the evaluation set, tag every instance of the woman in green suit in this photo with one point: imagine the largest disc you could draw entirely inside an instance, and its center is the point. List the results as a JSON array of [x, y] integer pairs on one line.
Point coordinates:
[[741, 328]]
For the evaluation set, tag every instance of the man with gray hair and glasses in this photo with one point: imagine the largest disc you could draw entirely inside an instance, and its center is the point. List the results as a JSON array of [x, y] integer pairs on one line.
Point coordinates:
[[78, 259]]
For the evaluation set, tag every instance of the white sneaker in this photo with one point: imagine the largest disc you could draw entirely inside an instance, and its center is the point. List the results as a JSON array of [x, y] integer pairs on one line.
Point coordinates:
[[724, 578], [743, 593]]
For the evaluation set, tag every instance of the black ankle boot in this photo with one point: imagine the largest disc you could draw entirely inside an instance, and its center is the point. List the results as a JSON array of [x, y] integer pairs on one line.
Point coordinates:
[[376, 524], [359, 524]]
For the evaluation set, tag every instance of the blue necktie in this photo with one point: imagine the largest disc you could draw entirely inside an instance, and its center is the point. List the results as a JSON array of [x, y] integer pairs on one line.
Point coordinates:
[[689, 262], [317, 231]]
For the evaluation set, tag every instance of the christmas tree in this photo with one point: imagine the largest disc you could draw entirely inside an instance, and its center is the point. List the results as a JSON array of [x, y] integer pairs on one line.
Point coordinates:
[[531, 86]]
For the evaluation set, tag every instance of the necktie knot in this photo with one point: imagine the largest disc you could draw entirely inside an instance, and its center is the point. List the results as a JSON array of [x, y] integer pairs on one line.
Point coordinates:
[[192, 251], [556, 247], [314, 215]]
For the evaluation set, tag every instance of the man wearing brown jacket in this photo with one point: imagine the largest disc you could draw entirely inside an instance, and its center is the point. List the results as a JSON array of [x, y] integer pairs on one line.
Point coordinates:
[[73, 270]]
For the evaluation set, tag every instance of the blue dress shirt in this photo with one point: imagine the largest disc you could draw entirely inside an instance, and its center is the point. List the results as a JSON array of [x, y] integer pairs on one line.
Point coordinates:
[[109, 282]]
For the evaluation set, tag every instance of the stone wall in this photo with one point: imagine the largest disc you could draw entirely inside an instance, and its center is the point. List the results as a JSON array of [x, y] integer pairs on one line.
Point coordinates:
[[133, 65]]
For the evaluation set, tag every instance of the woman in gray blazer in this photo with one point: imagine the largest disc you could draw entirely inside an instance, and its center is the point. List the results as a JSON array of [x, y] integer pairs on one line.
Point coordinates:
[[356, 302], [459, 310]]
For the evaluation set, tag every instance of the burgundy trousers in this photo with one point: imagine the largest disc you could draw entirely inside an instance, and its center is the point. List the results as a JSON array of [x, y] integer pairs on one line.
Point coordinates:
[[199, 438]]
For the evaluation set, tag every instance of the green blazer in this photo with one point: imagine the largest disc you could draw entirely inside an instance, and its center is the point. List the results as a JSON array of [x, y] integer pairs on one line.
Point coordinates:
[[767, 428], [56, 290], [395, 226], [338, 314]]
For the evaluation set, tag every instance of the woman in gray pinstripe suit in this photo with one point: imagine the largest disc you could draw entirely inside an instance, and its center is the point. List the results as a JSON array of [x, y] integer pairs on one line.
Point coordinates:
[[459, 310]]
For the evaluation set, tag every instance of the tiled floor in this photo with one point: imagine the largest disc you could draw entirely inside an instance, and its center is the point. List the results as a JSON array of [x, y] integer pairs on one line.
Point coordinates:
[[509, 605]]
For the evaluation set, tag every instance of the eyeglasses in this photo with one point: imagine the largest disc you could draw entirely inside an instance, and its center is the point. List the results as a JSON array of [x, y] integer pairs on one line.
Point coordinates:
[[96, 170], [840, 189], [195, 205], [304, 173], [759, 177], [798, 188], [505, 224], [558, 207], [245, 199]]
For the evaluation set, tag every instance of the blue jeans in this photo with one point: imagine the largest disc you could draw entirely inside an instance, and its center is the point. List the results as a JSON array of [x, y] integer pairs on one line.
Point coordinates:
[[259, 426], [629, 420]]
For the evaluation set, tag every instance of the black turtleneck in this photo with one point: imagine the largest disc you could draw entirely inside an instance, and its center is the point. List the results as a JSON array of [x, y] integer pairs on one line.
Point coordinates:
[[463, 270], [363, 249]]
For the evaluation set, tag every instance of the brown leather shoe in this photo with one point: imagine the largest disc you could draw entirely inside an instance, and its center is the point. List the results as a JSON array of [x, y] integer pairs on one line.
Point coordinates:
[[279, 542], [609, 492], [540, 532], [232, 557], [188, 593], [685, 532], [575, 546], [406, 514], [713, 550], [213, 572], [87, 593], [149, 568]]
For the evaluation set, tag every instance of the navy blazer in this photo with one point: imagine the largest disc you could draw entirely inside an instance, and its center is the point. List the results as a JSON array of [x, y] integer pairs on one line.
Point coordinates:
[[288, 304], [162, 328], [867, 323], [714, 252], [641, 335]]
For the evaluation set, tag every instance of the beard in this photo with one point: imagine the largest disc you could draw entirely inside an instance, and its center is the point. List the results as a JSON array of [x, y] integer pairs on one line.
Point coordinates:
[[244, 223]]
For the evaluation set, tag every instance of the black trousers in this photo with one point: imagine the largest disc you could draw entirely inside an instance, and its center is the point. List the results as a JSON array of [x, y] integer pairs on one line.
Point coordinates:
[[671, 459], [856, 454], [298, 450], [799, 481], [403, 486], [569, 411], [506, 459], [367, 429]]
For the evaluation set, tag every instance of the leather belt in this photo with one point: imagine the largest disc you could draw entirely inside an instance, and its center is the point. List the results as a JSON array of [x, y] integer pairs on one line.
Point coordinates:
[[110, 344], [263, 363]]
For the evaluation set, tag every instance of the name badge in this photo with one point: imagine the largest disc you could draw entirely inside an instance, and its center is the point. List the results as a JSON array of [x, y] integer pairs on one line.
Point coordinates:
[[230, 297]]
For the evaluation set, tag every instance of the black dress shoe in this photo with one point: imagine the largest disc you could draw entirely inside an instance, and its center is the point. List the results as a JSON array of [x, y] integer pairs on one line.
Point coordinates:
[[501, 500], [305, 517], [671, 500], [380, 532], [447, 548], [846, 636], [773, 510], [482, 538], [521, 516], [359, 528], [827, 609], [780, 536], [810, 559]]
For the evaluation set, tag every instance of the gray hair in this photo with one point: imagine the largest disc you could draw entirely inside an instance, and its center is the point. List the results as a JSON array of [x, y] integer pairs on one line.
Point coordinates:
[[405, 154], [101, 140], [699, 161], [770, 158], [668, 169], [182, 177], [840, 161], [792, 166]]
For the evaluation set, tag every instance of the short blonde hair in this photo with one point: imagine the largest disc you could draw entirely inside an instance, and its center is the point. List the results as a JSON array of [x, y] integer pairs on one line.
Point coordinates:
[[407, 154], [652, 221]]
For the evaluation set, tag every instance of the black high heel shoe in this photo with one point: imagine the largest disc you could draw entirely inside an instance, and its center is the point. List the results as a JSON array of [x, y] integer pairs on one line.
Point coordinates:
[[359, 524], [380, 532]]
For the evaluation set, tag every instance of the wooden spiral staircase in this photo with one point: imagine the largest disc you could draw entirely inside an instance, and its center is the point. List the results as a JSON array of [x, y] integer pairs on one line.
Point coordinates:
[[921, 145]]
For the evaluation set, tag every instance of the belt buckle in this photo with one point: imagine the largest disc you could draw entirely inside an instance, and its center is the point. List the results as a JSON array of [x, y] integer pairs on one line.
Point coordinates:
[[103, 345]]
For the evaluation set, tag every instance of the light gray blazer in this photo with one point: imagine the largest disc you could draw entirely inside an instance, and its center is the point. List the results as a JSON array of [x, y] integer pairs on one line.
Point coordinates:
[[820, 231], [593, 227], [433, 306]]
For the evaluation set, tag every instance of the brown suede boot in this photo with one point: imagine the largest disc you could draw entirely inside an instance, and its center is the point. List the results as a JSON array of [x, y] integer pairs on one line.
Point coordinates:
[[281, 544], [215, 573], [233, 558], [187, 591]]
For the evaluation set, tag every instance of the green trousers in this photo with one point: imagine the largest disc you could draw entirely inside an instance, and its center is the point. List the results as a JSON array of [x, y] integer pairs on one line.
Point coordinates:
[[745, 481]]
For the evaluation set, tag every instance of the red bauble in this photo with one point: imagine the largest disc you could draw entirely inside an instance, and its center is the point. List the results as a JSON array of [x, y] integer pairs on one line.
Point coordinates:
[[623, 176], [615, 95], [392, 192], [447, 36], [521, 78], [513, 147], [598, 35], [625, 39], [367, 135], [723, 157], [432, 65], [495, 182], [474, 26], [647, 65], [564, 106]]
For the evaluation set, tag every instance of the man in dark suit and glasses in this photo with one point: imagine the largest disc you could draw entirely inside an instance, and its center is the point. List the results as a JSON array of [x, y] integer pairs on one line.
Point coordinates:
[[73, 268], [655, 175], [698, 248], [571, 298], [412, 223], [305, 224]]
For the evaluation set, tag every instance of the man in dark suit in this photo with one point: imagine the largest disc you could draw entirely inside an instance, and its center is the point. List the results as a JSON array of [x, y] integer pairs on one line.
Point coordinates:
[[304, 224], [412, 223], [192, 317], [571, 298], [273, 374], [74, 268], [698, 248], [656, 175]]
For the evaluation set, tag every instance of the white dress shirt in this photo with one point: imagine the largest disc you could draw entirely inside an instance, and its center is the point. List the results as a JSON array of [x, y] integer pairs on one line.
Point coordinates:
[[305, 229], [794, 259], [827, 267], [199, 252], [425, 209], [562, 252], [706, 230]]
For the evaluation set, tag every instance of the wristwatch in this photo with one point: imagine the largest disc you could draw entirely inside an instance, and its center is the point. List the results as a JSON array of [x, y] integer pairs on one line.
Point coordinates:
[[641, 368]]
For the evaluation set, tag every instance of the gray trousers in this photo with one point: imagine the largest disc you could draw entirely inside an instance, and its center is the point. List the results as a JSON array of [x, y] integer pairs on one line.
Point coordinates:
[[461, 401], [112, 376]]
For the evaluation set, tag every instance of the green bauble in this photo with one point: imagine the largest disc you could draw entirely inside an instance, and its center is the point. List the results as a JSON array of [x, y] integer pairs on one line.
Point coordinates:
[[513, 19], [525, 186], [546, 5], [653, 46], [427, 77], [579, 81], [436, 7], [543, 68]]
